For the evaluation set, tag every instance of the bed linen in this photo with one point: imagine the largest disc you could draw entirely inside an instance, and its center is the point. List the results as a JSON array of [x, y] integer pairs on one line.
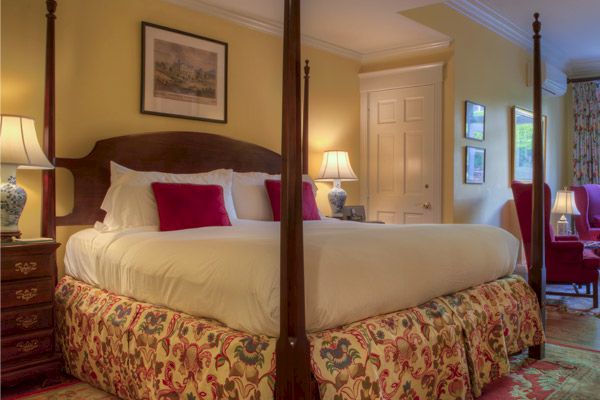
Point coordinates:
[[446, 348], [352, 270]]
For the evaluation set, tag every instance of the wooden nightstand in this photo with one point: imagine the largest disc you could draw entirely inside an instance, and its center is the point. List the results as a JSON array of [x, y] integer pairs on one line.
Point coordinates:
[[366, 222], [28, 281]]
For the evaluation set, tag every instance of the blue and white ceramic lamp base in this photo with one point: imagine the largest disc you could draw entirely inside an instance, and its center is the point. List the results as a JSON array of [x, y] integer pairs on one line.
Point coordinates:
[[13, 199], [337, 198]]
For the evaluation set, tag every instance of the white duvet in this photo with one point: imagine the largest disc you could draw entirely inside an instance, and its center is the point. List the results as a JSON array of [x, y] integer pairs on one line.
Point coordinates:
[[231, 274]]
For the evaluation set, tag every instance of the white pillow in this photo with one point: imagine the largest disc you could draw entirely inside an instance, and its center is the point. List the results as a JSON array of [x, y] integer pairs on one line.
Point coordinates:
[[250, 195], [130, 202], [117, 171]]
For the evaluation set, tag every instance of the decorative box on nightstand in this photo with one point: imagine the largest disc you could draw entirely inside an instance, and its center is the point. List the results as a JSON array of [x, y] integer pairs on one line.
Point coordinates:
[[28, 280]]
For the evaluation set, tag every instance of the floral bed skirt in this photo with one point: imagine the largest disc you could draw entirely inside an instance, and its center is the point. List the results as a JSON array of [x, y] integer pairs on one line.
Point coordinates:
[[448, 348]]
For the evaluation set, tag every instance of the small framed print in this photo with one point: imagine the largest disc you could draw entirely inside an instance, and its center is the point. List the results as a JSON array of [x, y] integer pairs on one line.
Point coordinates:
[[183, 75], [354, 213], [474, 121], [474, 165], [522, 144]]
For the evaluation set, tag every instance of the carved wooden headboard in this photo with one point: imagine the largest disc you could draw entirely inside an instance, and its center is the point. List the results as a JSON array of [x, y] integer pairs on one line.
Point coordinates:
[[175, 152]]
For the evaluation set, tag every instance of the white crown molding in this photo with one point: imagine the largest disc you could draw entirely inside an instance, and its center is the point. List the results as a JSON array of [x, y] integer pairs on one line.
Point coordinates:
[[584, 68], [261, 25], [491, 19], [404, 77], [405, 50], [275, 28]]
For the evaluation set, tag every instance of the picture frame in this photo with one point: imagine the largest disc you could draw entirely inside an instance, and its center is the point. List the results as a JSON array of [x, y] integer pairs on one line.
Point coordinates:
[[522, 144], [183, 75], [354, 213], [474, 121], [475, 165]]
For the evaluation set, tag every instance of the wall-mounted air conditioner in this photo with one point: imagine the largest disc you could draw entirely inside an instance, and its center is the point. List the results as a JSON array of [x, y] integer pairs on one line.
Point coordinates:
[[554, 81]]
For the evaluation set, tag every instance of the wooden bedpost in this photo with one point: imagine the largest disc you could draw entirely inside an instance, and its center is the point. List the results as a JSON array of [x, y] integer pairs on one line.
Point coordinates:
[[305, 119], [537, 273], [293, 350], [49, 176]]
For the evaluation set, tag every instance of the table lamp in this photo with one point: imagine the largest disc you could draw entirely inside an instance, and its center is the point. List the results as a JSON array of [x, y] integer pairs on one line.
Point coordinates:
[[564, 204], [19, 148], [336, 167]]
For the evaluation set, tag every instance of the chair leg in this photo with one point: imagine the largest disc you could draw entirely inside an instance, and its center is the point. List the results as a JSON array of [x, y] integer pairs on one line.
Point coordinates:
[[596, 294], [588, 288]]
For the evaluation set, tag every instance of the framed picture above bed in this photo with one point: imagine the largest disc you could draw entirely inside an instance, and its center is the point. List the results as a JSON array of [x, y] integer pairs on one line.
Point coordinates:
[[522, 144], [474, 165], [474, 121], [183, 75]]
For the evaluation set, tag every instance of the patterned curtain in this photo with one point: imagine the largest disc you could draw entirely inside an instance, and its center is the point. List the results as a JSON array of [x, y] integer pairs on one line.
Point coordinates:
[[586, 146]]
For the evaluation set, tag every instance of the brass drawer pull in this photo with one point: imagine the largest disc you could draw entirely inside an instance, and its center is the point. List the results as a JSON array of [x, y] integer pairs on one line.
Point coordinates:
[[26, 294], [27, 321], [28, 346], [26, 267]]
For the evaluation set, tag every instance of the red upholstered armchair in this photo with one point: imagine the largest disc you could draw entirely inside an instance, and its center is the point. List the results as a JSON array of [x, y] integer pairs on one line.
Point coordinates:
[[587, 199], [566, 260]]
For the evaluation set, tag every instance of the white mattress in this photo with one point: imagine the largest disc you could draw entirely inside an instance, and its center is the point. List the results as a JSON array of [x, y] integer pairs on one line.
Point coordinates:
[[231, 274]]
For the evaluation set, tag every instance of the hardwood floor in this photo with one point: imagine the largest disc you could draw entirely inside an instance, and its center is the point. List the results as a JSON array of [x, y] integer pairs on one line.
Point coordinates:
[[574, 330]]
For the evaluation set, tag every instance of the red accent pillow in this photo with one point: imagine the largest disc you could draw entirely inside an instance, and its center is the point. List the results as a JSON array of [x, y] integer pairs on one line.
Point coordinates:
[[186, 206], [595, 222], [310, 211]]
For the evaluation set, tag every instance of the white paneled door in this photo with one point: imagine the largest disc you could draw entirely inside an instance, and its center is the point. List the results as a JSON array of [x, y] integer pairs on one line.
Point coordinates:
[[401, 157]]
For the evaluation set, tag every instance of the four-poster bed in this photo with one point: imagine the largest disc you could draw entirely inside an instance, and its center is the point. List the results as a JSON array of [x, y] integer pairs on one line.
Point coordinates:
[[140, 350]]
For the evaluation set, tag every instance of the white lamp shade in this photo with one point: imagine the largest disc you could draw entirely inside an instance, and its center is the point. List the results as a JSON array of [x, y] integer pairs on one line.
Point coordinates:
[[336, 166], [19, 145], [565, 203]]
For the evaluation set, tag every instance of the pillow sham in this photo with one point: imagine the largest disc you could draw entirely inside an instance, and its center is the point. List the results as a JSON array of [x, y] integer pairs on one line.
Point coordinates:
[[310, 211], [185, 206], [117, 171], [250, 195], [130, 202]]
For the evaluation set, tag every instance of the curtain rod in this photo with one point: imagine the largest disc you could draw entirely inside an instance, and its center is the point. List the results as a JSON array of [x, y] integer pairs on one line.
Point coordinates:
[[592, 78]]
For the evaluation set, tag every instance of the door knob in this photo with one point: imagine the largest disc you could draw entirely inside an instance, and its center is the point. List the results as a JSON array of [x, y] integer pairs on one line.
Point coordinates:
[[427, 205]]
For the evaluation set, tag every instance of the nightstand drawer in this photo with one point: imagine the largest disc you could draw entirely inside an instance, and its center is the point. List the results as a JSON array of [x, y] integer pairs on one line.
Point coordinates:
[[21, 293], [20, 346], [25, 320], [25, 266]]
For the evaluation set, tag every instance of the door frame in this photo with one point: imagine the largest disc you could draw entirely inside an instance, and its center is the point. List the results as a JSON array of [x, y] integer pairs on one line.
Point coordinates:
[[401, 78]]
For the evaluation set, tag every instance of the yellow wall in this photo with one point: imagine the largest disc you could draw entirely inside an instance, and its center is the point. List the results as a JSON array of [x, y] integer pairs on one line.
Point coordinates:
[[98, 84], [490, 70]]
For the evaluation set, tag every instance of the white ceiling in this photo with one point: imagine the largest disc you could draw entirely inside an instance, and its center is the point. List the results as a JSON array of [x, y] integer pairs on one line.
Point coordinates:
[[570, 28], [368, 29], [357, 28]]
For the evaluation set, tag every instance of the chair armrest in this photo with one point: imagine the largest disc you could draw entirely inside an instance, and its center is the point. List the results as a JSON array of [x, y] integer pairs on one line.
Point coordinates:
[[568, 245], [566, 238], [568, 251]]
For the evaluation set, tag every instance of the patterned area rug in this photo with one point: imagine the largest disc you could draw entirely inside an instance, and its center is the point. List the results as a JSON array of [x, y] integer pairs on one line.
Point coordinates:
[[570, 305], [66, 391], [566, 373]]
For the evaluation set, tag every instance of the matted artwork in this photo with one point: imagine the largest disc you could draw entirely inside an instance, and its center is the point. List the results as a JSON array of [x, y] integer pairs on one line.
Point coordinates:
[[183, 75], [474, 121], [354, 213], [474, 164], [522, 144]]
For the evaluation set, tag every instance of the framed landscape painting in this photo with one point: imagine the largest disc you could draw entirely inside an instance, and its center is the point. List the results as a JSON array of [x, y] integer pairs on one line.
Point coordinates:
[[474, 165], [522, 144], [183, 75], [474, 121]]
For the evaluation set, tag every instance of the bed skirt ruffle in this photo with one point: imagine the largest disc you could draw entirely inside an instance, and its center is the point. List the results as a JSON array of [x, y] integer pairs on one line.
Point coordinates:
[[449, 347]]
